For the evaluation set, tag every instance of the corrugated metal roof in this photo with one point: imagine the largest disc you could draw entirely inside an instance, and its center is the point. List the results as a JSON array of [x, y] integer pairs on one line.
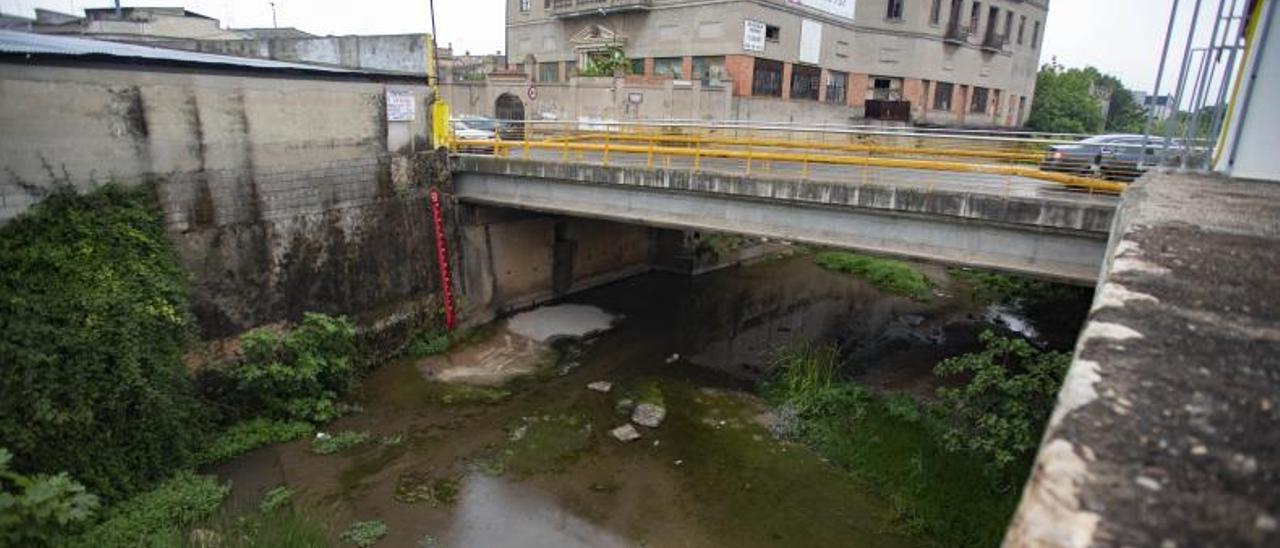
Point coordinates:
[[43, 44]]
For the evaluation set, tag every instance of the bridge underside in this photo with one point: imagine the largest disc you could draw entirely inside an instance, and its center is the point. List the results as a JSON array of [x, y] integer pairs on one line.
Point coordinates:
[[1056, 241]]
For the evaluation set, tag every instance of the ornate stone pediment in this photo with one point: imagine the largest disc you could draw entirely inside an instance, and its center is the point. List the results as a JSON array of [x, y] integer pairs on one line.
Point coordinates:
[[594, 35]]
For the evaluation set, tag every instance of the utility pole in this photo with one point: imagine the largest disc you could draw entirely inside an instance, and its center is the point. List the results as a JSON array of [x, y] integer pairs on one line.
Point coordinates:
[[274, 25]]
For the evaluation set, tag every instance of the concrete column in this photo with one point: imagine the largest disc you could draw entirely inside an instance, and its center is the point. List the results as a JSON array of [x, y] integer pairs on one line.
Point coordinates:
[[823, 78], [856, 95], [786, 80], [686, 67], [648, 66]]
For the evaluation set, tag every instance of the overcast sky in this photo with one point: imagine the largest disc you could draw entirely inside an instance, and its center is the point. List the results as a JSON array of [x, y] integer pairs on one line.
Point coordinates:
[[1122, 37]]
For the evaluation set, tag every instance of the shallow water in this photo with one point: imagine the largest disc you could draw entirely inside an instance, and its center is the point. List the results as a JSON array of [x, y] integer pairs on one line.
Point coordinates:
[[710, 475]]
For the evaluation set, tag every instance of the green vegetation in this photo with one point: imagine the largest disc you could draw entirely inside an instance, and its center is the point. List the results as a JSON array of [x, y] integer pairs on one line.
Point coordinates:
[[275, 498], [38, 510], [1001, 412], [158, 517], [325, 444], [301, 374], [420, 487], [96, 322], [365, 533], [249, 435], [1065, 102], [285, 528], [889, 276], [539, 444], [983, 287], [951, 468], [611, 61]]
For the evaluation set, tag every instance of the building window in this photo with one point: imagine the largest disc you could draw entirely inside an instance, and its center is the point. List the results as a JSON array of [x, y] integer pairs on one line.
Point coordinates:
[[772, 33], [978, 102], [766, 79], [570, 69], [837, 83], [894, 11], [548, 72], [942, 93], [975, 16], [708, 70], [637, 66], [669, 66], [524, 5], [885, 88], [805, 80], [1022, 28], [1035, 36], [935, 12], [1008, 27]]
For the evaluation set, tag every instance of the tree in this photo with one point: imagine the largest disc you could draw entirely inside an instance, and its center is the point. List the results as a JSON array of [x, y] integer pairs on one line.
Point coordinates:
[[1063, 103], [1124, 114]]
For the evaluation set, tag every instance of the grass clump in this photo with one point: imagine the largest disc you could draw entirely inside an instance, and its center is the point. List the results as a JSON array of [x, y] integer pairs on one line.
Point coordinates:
[[158, 516], [275, 498], [465, 394], [328, 444], [364, 533], [540, 444], [889, 276], [249, 435], [951, 469]]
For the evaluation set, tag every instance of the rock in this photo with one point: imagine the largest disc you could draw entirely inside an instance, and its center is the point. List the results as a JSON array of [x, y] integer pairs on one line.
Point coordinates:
[[912, 320], [625, 432], [518, 433], [204, 538], [624, 406], [600, 386], [673, 358], [649, 414]]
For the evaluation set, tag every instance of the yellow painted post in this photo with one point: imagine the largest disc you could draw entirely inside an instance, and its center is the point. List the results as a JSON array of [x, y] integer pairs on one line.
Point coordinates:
[[748, 161], [526, 143], [604, 161], [804, 174], [565, 156], [649, 159]]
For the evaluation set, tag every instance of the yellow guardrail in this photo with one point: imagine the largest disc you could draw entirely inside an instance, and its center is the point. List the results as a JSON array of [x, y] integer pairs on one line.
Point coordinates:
[[700, 140], [698, 153]]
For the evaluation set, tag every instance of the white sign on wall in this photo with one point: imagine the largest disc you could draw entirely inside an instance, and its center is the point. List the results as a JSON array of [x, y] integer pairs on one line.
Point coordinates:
[[838, 8], [753, 36], [400, 106], [810, 41]]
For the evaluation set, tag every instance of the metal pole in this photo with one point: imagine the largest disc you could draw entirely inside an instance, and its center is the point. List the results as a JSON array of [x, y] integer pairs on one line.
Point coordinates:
[[1201, 76], [435, 49], [1186, 55], [1207, 69], [274, 25], [1164, 56], [1215, 127], [1174, 101]]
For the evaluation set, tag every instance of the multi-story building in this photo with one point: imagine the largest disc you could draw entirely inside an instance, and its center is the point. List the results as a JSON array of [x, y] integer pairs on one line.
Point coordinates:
[[947, 62]]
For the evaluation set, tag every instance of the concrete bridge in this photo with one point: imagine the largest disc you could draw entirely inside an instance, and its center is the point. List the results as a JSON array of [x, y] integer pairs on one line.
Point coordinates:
[[1039, 231]]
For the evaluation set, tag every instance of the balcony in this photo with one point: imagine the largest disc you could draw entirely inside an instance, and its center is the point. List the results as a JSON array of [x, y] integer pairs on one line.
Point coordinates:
[[993, 42], [957, 34], [578, 8]]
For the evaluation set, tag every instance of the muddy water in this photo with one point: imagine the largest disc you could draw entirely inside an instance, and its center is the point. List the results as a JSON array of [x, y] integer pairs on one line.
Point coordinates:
[[710, 475]]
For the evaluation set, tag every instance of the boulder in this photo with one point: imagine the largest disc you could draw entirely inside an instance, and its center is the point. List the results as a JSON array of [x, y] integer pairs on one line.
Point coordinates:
[[625, 433], [600, 386], [649, 414]]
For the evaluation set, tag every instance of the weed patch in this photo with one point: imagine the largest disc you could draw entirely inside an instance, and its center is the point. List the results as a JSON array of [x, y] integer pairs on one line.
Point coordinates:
[[156, 517], [328, 444], [887, 275], [364, 533], [249, 435], [538, 445]]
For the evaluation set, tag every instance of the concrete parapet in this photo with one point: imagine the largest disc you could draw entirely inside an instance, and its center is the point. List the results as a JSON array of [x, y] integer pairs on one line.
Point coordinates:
[[1165, 432]]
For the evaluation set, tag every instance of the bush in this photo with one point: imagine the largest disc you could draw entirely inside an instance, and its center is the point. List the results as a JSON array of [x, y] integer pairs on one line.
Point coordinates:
[[95, 319], [300, 375], [889, 276], [1001, 412], [37, 511], [249, 435], [158, 516]]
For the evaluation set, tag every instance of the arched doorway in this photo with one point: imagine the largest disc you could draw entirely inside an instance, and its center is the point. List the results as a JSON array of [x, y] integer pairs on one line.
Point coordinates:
[[510, 111]]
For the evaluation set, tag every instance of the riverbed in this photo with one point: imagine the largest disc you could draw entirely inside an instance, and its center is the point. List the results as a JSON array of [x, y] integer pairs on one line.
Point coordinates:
[[526, 459]]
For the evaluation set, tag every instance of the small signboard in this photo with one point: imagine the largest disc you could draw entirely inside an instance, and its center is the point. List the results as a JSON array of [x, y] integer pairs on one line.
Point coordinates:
[[753, 36], [400, 106]]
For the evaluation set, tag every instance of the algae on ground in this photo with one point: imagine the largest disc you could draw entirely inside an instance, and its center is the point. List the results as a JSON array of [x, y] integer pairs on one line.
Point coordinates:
[[539, 444], [416, 487]]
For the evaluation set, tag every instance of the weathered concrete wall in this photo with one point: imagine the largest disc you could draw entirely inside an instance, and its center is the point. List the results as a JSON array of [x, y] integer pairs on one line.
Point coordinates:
[[281, 195], [1164, 433], [595, 98], [513, 259], [393, 53]]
